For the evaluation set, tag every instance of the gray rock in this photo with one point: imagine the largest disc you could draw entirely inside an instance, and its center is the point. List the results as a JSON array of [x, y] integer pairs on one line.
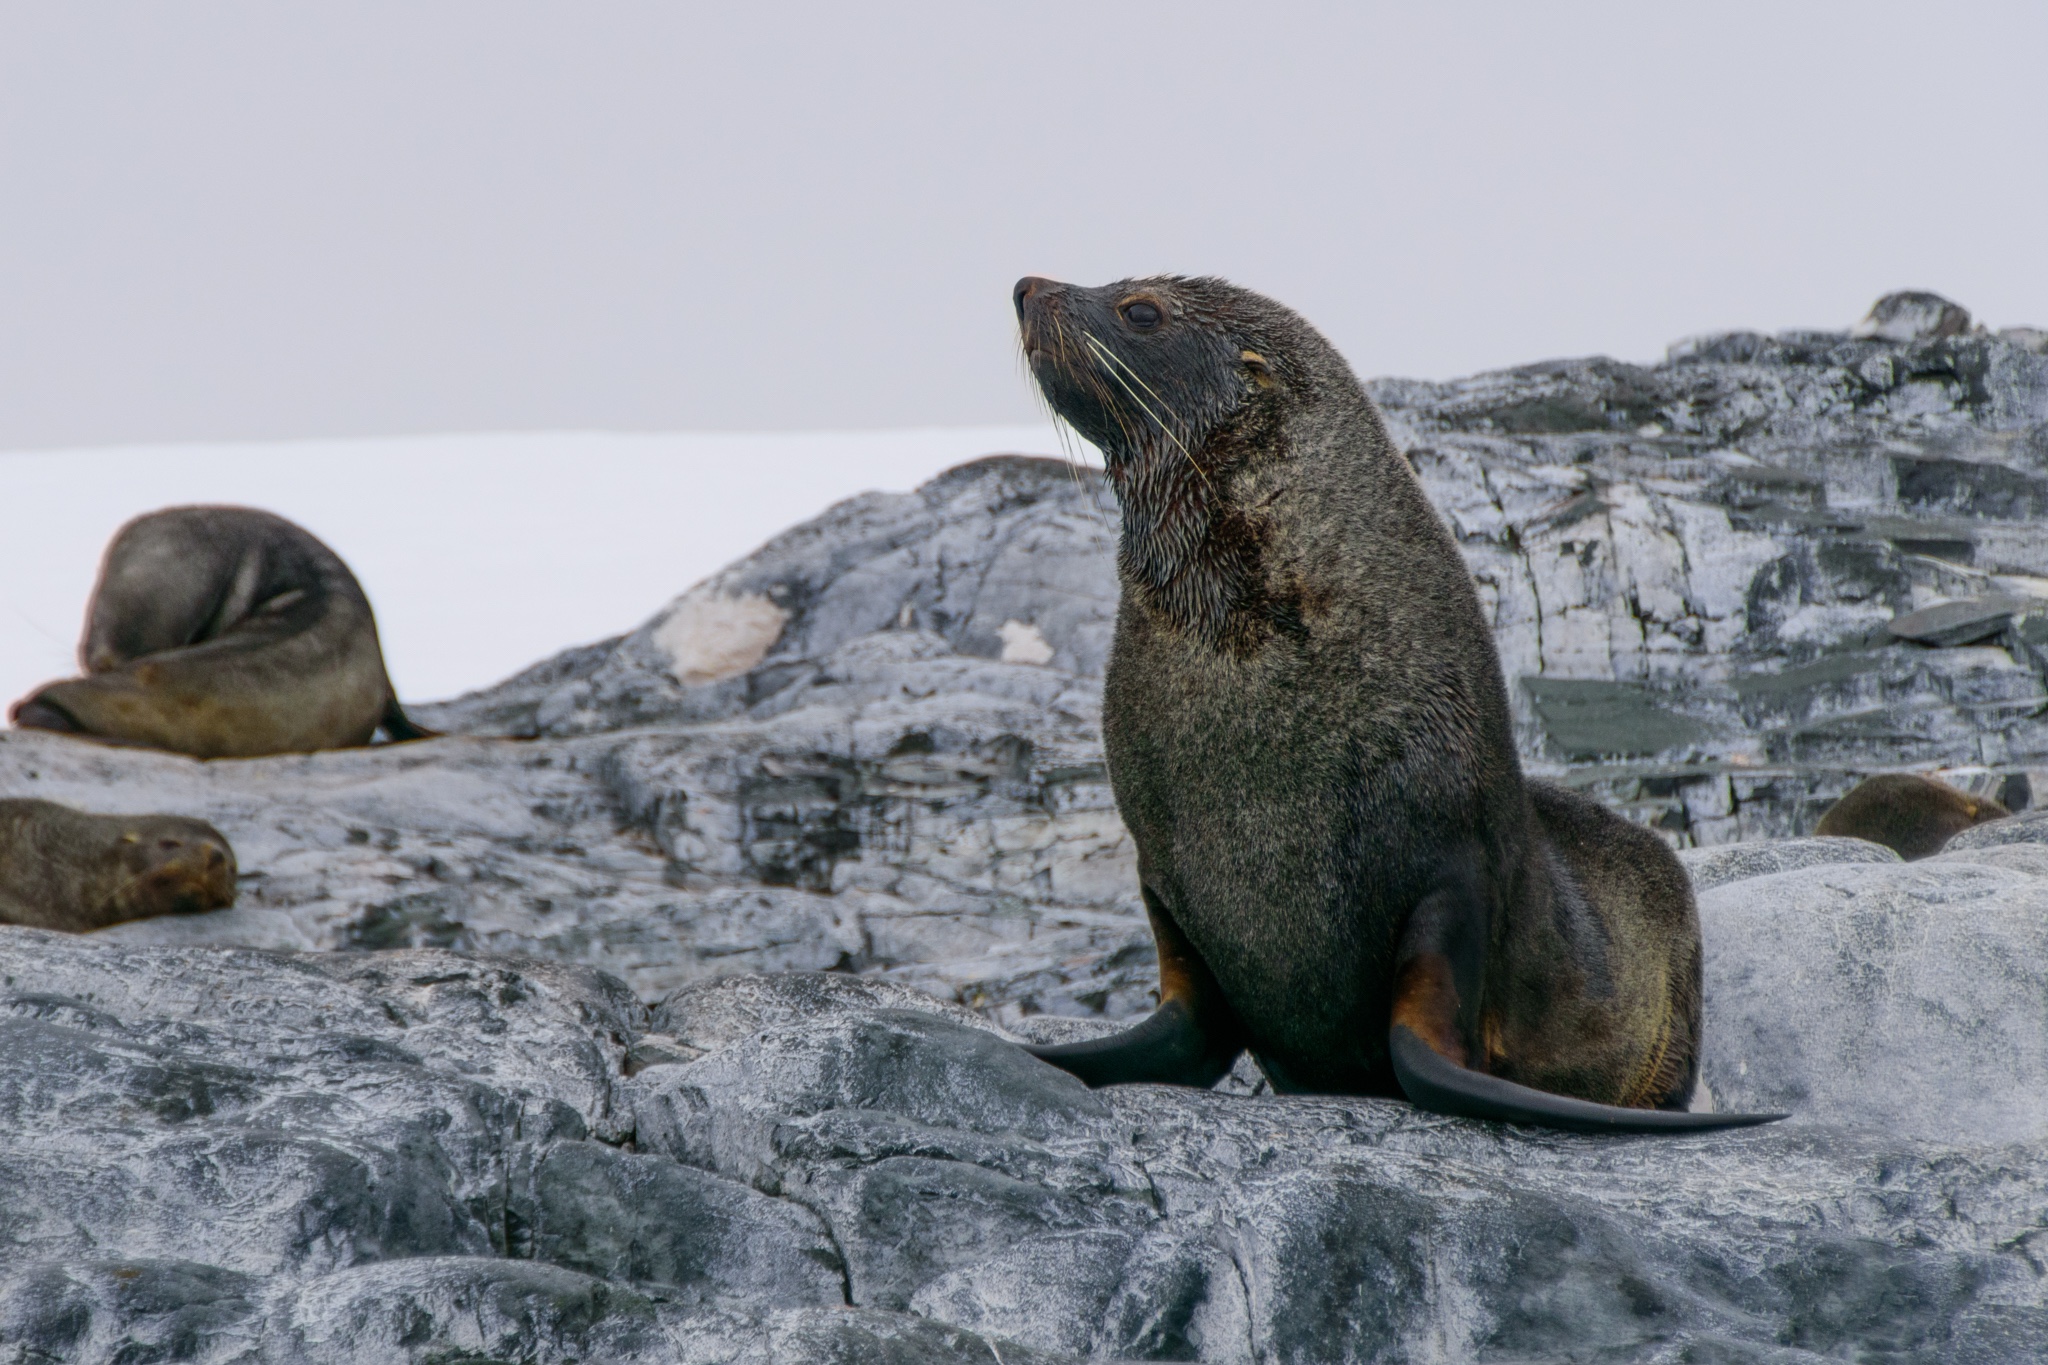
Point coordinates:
[[1712, 867], [1903, 997], [131, 1308], [1690, 569], [1963, 622], [1009, 557], [874, 745], [821, 758], [458, 1308], [1914, 315], [2033, 339], [2028, 859], [2028, 827], [441, 1124], [225, 1155], [624, 1216]]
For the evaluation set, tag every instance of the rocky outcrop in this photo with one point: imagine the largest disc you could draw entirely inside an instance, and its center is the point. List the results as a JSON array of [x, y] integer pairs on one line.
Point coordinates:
[[961, 837], [567, 1116], [240, 1156], [873, 745], [1693, 567], [1693, 571]]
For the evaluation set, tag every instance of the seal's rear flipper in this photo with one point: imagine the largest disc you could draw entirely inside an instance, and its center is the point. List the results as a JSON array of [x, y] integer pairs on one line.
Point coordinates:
[[1170, 1047], [34, 713], [399, 727], [1433, 1082]]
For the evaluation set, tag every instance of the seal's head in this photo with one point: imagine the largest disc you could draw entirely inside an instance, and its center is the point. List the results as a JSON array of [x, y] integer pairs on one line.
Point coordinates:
[[1200, 395], [169, 864], [1158, 367]]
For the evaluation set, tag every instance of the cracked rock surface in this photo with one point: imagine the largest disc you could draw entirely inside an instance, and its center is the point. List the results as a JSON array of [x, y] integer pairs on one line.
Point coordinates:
[[1693, 570], [874, 744], [235, 1155], [563, 1111]]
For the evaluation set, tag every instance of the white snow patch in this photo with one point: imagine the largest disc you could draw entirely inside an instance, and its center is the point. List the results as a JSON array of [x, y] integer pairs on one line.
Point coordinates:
[[1024, 643]]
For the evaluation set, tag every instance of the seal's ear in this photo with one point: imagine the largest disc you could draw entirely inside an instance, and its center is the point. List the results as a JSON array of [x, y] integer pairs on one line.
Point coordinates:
[[1255, 366]]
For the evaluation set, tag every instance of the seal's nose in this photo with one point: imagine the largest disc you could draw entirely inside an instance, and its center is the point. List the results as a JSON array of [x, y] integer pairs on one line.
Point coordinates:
[[1026, 287]]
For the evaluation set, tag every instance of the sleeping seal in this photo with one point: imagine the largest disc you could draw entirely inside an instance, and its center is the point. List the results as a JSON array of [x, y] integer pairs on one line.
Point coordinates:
[[1911, 815], [63, 869], [1308, 737], [224, 632]]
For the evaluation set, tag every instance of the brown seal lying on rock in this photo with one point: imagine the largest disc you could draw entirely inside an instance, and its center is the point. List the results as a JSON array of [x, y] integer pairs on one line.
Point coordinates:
[[1309, 739], [224, 632], [1911, 815], [63, 869]]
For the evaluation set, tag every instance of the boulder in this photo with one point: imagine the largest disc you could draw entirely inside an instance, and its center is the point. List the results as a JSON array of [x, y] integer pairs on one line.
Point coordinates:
[[238, 1155], [1712, 867], [2028, 827], [1914, 315]]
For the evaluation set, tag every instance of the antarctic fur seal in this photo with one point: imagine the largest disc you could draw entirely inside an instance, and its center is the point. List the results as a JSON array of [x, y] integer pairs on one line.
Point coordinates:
[[1309, 739], [224, 632], [1909, 814], [63, 869]]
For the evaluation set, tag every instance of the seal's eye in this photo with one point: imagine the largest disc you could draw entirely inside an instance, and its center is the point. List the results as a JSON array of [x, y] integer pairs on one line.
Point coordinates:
[[1142, 315]]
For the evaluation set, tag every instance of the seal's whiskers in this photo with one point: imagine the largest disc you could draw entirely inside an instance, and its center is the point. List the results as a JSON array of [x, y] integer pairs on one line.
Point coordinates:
[[1117, 368]]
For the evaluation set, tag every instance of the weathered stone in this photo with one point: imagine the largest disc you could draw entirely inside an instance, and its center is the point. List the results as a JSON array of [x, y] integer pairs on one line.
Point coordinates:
[[1914, 315], [1589, 719], [1009, 541], [870, 755], [1712, 867], [631, 1217], [1901, 997], [1697, 617], [827, 1167], [1693, 560], [2029, 827], [1958, 623]]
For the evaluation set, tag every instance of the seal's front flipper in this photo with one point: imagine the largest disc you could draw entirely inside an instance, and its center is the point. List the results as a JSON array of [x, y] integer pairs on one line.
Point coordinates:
[[1193, 1038], [1433, 1082], [1169, 1047]]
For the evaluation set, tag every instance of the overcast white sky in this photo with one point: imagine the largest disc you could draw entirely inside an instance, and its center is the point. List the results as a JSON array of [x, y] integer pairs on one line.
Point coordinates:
[[260, 220]]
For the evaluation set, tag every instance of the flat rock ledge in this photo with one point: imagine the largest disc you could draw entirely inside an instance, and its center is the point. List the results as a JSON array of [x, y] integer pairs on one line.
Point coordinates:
[[243, 1155]]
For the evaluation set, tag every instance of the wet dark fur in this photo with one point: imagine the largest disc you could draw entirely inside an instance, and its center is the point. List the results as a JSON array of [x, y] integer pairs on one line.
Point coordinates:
[[1309, 738], [63, 869], [224, 632], [1911, 815]]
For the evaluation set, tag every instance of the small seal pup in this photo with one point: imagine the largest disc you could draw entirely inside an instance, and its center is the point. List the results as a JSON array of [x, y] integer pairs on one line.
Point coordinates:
[[63, 869], [1308, 736], [1909, 814], [224, 632]]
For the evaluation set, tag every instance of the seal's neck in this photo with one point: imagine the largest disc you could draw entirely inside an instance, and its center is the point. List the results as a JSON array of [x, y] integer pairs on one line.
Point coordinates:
[[1190, 550]]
